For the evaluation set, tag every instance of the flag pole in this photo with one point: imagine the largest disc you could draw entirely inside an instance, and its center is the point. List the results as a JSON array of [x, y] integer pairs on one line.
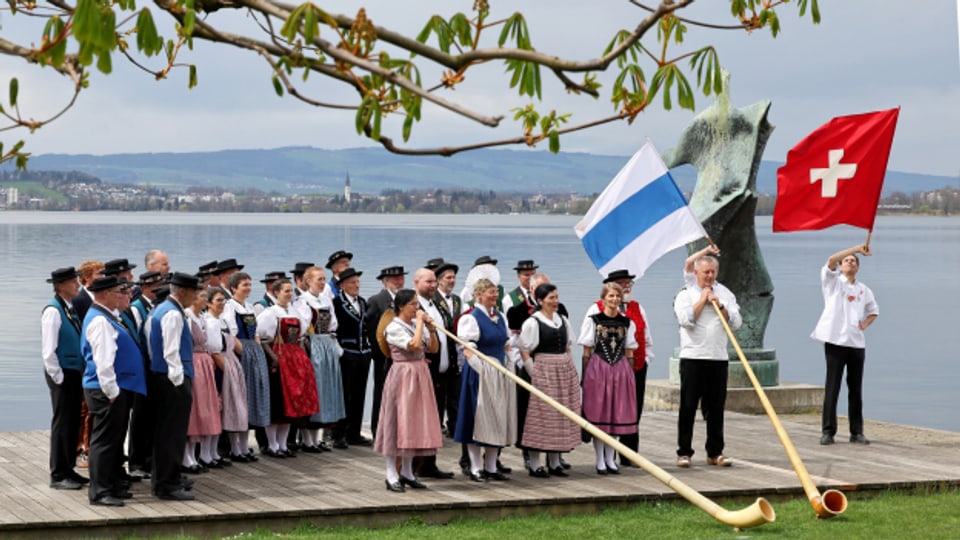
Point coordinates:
[[832, 502]]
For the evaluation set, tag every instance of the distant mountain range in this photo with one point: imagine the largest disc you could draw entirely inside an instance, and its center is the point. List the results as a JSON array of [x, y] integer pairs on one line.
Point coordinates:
[[313, 170]]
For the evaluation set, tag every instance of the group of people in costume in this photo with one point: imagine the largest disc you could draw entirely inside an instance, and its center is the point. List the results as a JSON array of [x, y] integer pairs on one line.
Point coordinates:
[[182, 366]]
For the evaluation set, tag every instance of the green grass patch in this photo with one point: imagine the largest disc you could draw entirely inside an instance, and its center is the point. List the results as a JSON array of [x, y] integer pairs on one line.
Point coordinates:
[[927, 514]]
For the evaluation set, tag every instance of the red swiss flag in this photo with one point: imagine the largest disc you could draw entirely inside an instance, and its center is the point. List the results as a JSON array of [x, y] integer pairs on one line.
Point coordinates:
[[834, 175]]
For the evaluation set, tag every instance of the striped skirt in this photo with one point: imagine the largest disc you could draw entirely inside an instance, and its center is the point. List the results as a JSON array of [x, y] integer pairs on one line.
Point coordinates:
[[546, 428]]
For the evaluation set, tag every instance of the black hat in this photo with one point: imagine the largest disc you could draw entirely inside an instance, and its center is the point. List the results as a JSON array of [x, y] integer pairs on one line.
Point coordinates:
[[336, 256], [391, 271], [228, 264], [114, 267], [63, 274], [526, 265], [433, 264], [618, 275], [301, 267], [149, 278], [270, 277], [444, 267], [485, 260], [207, 269], [161, 293], [348, 273], [185, 281], [106, 282]]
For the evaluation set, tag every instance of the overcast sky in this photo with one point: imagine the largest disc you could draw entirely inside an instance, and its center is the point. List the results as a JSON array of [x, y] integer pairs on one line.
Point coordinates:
[[864, 56]]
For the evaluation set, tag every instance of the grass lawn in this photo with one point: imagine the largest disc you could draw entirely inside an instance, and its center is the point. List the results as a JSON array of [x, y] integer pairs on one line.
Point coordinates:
[[931, 514]]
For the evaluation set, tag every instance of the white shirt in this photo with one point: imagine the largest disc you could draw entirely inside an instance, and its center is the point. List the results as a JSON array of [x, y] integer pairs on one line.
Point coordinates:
[[102, 337], [529, 337], [214, 327], [433, 311], [268, 321], [50, 322], [845, 306], [308, 302], [399, 334], [230, 311], [171, 328], [647, 336], [705, 338], [588, 334]]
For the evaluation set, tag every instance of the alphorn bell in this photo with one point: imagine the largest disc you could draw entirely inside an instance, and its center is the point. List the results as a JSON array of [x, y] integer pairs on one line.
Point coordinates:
[[760, 512], [832, 502]]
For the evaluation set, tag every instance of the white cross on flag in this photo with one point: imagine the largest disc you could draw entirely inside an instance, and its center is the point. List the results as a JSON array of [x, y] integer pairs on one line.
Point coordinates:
[[835, 174]]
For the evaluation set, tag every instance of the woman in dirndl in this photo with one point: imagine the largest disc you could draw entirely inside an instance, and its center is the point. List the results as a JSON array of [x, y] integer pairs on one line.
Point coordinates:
[[409, 426], [487, 415], [609, 388], [544, 341], [316, 308], [293, 386], [233, 391], [204, 427], [243, 326]]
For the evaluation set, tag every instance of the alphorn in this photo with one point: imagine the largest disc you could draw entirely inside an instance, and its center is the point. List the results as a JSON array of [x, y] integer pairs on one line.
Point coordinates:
[[760, 512], [832, 502]]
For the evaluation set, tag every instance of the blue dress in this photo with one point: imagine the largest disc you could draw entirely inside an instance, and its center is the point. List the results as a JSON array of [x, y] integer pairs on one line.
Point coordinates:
[[254, 364]]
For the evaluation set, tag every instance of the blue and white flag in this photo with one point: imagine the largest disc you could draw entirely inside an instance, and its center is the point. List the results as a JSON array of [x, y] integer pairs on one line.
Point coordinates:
[[640, 216]]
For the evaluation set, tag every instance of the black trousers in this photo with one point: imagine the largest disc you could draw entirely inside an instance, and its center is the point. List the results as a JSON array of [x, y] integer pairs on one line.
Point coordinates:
[[446, 388], [523, 403], [110, 422], [66, 399], [840, 357], [632, 440], [702, 382], [172, 404], [354, 371], [142, 422], [380, 368]]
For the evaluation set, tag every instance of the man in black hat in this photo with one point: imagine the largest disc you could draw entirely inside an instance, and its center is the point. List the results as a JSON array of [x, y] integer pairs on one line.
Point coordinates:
[[447, 384], [393, 280], [268, 298], [142, 414], [298, 270], [225, 269], [207, 274], [63, 366], [114, 371], [352, 335], [171, 384], [337, 262], [521, 294]]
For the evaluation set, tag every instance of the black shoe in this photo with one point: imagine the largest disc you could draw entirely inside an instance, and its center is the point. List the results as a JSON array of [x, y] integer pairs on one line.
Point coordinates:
[[107, 500], [858, 438], [360, 441], [436, 473], [185, 483], [287, 453], [340, 444], [211, 464], [476, 477], [310, 449], [176, 495], [396, 487], [612, 470], [602, 472], [66, 483], [563, 463], [415, 484], [627, 463], [324, 447], [558, 471], [539, 472], [77, 478], [502, 469], [497, 475], [192, 469], [826, 439], [224, 462], [274, 453], [251, 457], [122, 494], [140, 473]]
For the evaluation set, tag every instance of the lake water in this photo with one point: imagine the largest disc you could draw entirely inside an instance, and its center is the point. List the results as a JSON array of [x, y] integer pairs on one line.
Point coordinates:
[[913, 361]]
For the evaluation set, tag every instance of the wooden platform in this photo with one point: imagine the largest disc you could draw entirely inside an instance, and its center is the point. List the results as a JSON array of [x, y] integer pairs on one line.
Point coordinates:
[[347, 486]]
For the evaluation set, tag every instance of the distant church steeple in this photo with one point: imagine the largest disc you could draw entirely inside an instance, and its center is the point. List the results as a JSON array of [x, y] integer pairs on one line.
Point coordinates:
[[346, 189]]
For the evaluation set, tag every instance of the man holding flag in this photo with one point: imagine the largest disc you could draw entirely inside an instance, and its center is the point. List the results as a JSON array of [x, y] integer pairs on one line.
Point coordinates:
[[835, 176]]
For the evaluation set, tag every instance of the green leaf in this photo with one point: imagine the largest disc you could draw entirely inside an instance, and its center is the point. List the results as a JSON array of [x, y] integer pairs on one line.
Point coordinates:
[[554, 141], [377, 116], [14, 90], [189, 20], [104, 64], [148, 41], [292, 25], [310, 27], [277, 86], [407, 127], [193, 76]]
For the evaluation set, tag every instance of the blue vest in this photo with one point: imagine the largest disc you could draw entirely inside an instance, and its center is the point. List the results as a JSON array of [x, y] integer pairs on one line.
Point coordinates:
[[157, 363], [68, 341], [128, 364], [493, 336]]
